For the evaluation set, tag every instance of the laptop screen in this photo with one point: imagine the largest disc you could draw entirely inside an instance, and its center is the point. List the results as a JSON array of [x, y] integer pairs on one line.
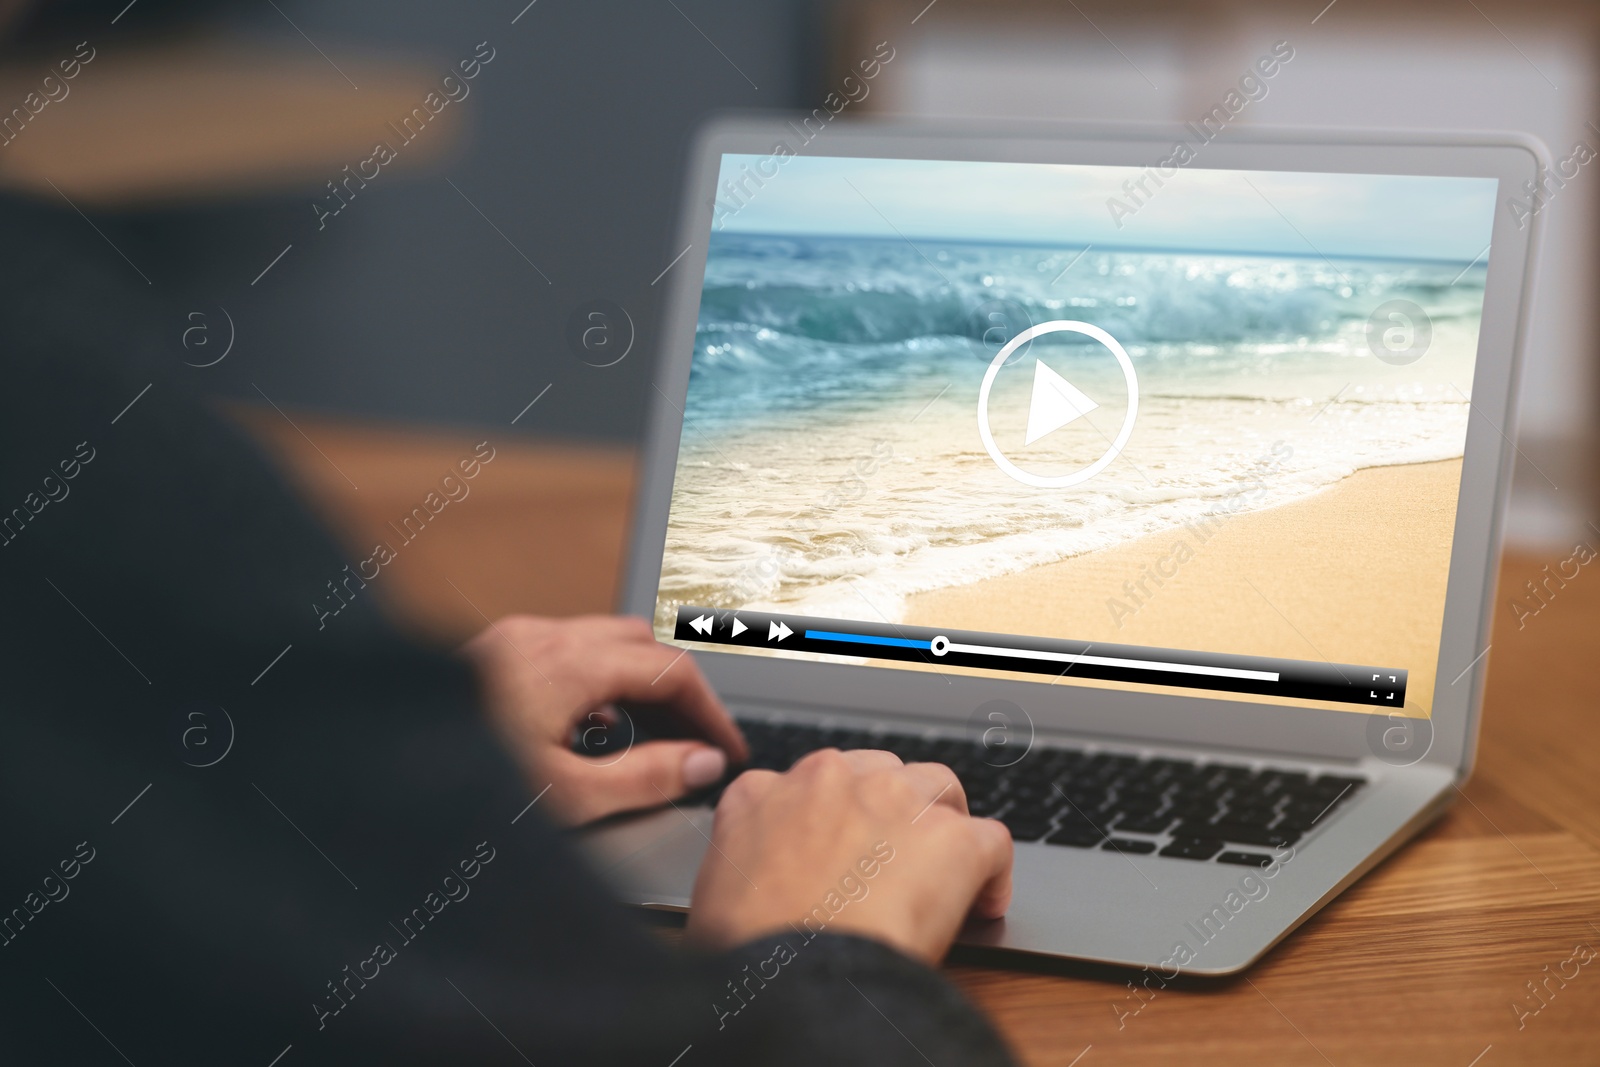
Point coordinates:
[[1161, 429]]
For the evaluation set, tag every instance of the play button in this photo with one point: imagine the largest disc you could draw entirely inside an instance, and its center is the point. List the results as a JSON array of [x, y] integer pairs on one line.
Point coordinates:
[[1055, 403]]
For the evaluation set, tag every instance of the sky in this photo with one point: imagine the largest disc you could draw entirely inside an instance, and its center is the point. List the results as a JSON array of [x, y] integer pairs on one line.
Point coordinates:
[[1272, 212]]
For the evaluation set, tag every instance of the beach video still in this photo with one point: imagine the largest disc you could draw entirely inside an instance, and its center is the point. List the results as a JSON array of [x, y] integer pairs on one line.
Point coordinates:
[[1246, 438]]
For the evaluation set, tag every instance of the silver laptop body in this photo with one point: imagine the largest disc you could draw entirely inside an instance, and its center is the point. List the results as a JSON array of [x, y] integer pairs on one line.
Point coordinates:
[[1149, 911]]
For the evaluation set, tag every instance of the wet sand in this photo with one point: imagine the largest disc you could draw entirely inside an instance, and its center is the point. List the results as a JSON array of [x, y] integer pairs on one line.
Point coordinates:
[[1353, 574]]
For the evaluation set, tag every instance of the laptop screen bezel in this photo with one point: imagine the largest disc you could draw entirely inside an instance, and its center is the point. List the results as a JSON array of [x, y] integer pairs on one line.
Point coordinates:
[[1309, 731]]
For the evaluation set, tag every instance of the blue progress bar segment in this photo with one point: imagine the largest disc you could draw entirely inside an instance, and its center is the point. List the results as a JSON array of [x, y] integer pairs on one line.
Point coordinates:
[[866, 639]]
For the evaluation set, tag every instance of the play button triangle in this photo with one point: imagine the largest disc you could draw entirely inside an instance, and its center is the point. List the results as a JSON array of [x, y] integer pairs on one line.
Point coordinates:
[[1055, 403]]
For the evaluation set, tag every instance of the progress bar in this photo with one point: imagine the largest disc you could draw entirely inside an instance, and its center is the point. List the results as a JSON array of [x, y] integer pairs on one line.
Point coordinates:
[[941, 645], [854, 641], [867, 639]]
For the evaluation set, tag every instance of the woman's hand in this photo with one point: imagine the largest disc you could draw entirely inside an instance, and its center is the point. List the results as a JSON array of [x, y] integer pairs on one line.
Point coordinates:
[[543, 678], [853, 842]]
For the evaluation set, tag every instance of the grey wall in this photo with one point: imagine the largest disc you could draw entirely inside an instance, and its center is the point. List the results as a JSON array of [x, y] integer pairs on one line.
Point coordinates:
[[409, 305]]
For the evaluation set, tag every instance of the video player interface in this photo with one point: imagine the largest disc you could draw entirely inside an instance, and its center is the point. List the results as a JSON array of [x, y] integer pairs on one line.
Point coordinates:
[[1197, 433]]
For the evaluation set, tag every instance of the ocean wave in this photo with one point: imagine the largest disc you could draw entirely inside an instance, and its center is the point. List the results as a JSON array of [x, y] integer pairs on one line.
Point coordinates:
[[811, 288], [834, 465], [847, 316]]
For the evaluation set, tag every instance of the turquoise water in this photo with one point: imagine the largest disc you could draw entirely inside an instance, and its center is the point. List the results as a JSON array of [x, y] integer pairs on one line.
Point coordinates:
[[831, 462], [801, 323]]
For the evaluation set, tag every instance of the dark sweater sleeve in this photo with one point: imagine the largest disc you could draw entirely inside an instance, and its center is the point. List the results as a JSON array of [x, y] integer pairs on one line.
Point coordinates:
[[879, 1007], [237, 828]]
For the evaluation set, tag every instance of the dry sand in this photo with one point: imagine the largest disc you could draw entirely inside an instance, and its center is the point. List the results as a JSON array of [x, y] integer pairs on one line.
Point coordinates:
[[1354, 574]]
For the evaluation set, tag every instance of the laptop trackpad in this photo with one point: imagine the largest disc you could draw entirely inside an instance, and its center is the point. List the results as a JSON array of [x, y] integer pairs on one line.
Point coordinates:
[[651, 859]]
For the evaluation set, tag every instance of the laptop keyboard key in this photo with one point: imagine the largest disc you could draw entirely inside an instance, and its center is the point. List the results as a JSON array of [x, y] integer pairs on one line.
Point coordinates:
[[1075, 836], [1305, 816], [1193, 848], [1228, 774], [1140, 803], [1029, 791], [1129, 845], [1246, 859], [1327, 791], [1169, 768], [1144, 824], [987, 807], [1195, 813], [1255, 815], [853, 739]]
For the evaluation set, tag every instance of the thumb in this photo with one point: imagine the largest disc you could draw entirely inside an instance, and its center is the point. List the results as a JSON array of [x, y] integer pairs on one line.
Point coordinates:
[[994, 857], [647, 776]]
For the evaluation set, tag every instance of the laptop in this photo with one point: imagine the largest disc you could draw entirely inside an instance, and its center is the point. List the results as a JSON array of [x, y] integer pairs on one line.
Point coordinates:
[[1151, 482]]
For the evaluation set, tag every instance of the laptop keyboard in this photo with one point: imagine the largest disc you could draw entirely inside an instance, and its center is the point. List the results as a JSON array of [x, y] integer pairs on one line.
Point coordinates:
[[1202, 811]]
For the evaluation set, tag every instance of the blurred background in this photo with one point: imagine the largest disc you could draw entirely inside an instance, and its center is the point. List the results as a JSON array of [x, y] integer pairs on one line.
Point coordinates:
[[372, 325]]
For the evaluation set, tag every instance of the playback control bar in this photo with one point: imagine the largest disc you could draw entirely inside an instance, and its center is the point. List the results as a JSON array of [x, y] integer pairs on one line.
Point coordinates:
[[1294, 679]]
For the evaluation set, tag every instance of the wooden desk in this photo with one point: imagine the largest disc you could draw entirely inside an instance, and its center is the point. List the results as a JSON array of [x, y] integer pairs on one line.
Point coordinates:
[[1420, 963], [198, 118]]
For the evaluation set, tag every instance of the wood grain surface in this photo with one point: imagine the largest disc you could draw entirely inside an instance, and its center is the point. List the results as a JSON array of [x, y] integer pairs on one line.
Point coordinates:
[[191, 119], [1428, 960]]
